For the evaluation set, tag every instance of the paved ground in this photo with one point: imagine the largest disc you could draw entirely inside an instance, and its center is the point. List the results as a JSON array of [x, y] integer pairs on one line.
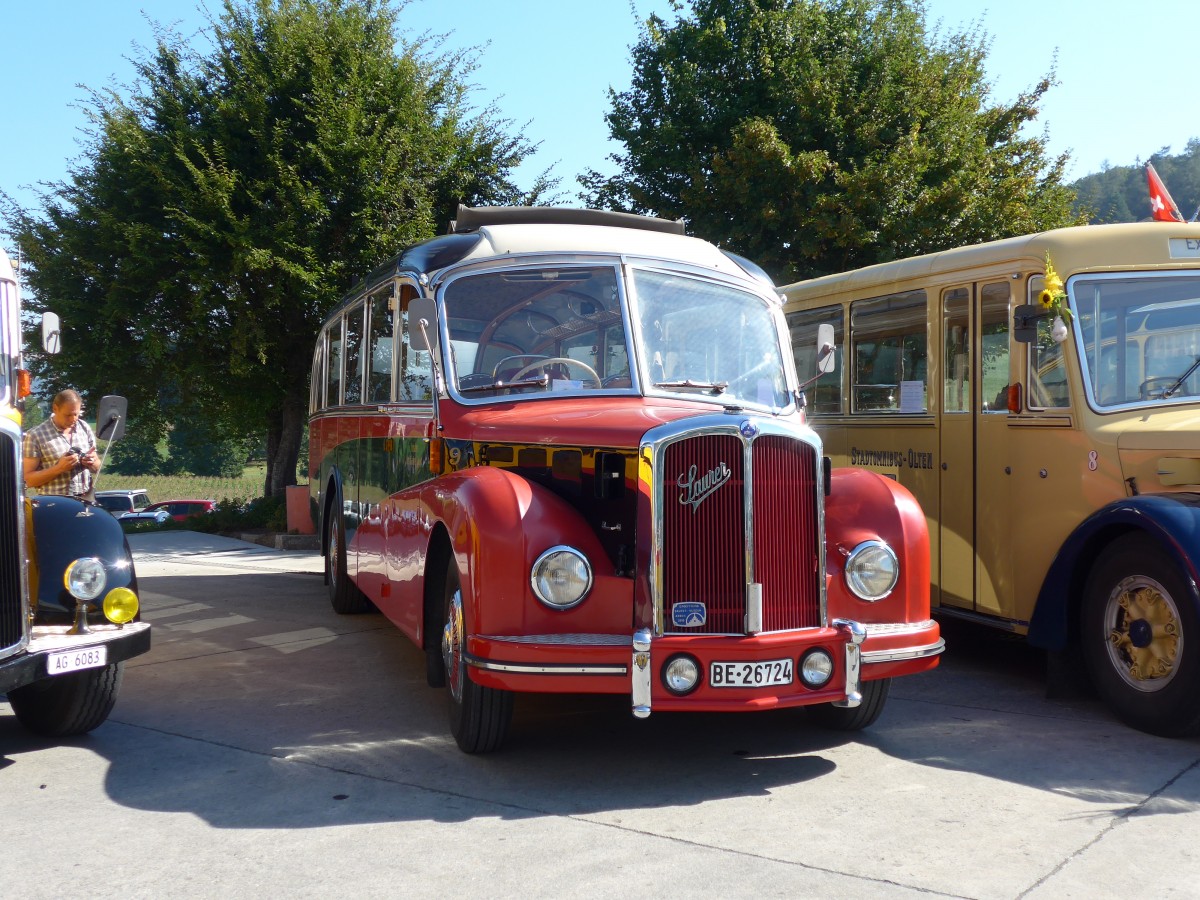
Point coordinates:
[[266, 747]]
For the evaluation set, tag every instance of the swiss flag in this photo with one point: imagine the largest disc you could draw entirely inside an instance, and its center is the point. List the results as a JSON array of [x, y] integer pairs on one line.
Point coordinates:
[[1162, 207]]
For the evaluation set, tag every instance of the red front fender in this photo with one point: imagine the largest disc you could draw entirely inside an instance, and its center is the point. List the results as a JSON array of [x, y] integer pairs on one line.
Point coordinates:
[[499, 523]]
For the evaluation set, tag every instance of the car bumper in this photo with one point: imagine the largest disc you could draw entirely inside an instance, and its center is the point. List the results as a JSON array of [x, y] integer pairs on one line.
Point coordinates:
[[617, 664], [120, 642]]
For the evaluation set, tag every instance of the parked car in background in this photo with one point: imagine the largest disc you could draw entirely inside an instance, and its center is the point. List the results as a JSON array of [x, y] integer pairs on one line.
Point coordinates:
[[145, 517], [180, 510], [118, 502]]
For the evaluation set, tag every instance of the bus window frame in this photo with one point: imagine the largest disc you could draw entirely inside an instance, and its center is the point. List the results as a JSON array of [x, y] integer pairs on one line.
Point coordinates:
[[1033, 287], [853, 343]]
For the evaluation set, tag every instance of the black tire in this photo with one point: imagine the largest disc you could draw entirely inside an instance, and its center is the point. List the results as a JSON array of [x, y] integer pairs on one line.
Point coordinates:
[[479, 716], [841, 718], [68, 704], [344, 595], [1140, 637]]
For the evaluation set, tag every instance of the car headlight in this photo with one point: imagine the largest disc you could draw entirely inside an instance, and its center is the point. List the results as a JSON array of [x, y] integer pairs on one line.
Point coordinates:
[[872, 570], [561, 577], [85, 578]]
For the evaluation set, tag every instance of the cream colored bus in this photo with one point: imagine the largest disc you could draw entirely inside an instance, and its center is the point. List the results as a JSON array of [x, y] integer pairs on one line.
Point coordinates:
[[1059, 472]]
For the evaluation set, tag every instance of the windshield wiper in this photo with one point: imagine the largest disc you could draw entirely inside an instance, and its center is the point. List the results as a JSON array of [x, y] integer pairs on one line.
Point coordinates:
[[706, 387], [542, 381], [1182, 378]]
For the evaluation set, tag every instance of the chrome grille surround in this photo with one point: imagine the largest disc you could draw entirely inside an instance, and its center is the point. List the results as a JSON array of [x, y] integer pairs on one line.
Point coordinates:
[[14, 617], [668, 445]]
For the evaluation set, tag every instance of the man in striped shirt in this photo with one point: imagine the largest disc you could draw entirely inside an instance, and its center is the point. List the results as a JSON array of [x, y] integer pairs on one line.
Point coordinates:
[[60, 453]]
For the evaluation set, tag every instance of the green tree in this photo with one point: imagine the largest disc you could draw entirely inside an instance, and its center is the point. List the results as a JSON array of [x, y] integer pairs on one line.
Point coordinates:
[[196, 445], [136, 453], [820, 135], [1121, 194], [225, 205]]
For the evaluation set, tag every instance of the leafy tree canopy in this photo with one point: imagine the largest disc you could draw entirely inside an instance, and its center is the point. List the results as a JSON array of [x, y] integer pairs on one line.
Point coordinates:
[[1120, 193], [226, 203], [815, 136]]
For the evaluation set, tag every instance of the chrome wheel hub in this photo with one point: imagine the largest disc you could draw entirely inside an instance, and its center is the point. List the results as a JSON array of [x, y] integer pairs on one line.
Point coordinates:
[[1145, 639], [452, 648]]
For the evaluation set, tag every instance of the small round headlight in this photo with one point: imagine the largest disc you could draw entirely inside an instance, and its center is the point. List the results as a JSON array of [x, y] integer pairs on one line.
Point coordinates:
[[872, 570], [561, 577], [681, 674], [85, 578], [816, 668], [120, 605]]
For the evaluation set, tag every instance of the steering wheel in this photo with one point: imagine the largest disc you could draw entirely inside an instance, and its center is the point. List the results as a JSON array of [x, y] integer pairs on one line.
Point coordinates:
[[1151, 386], [563, 360]]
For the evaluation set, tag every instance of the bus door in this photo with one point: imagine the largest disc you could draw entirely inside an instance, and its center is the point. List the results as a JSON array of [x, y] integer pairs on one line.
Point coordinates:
[[974, 563]]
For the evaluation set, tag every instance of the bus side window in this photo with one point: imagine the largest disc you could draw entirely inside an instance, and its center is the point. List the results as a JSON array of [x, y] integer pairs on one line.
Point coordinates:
[[956, 361], [889, 354], [414, 381], [333, 370], [380, 340], [1047, 375], [352, 390], [316, 401], [824, 394], [993, 346]]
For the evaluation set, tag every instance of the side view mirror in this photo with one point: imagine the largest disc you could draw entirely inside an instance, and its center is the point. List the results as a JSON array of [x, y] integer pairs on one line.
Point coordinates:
[[422, 324], [51, 333], [1025, 319], [826, 350], [110, 419]]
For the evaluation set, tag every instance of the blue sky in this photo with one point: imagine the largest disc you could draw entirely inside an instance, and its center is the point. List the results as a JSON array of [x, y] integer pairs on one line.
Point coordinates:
[[1126, 89]]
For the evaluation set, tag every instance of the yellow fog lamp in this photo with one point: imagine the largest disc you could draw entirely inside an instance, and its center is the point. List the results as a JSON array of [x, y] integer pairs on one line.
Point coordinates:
[[84, 579], [120, 605]]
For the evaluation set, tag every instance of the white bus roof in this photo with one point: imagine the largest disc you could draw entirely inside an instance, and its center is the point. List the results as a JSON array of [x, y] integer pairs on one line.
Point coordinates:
[[1091, 248]]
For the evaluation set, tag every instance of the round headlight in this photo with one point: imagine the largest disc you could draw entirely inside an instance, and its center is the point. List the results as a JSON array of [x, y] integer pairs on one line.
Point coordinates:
[[85, 578], [561, 577], [120, 605], [872, 570], [816, 668], [681, 674]]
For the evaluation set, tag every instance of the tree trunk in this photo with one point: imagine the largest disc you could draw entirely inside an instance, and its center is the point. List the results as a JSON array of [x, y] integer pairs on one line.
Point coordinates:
[[283, 447]]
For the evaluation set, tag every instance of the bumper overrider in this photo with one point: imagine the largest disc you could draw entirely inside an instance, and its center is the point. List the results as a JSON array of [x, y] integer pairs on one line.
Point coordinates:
[[52, 652], [796, 668]]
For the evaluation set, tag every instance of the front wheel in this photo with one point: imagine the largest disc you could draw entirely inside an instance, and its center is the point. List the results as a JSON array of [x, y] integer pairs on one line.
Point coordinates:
[[344, 595], [841, 718], [479, 716], [1140, 637], [68, 704]]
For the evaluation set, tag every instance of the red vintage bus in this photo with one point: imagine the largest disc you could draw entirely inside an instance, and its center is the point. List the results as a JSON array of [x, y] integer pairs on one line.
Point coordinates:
[[600, 480]]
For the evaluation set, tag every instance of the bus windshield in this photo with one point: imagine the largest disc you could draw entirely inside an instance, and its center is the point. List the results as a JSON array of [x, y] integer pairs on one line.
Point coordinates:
[[526, 331], [709, 339], [529, 331], [1140, 337]]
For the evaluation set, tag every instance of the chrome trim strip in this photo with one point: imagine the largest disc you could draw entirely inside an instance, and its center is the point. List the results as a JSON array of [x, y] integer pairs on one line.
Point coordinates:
[[545, 668], [581, 640], [885, 628], [871, 657]]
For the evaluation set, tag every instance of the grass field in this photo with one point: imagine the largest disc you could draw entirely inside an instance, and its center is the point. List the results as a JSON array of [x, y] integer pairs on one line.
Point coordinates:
[[190, 487]]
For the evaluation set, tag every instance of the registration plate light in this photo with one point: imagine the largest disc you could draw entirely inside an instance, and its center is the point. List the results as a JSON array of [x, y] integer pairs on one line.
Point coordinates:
[[762, 673]]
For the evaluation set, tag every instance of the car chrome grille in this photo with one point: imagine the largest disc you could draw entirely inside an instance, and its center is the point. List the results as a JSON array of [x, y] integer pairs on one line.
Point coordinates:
[[705, 538], [12, 557]]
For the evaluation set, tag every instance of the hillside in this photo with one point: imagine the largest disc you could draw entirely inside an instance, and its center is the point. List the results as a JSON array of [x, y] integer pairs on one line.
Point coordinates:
[[1119, 193]]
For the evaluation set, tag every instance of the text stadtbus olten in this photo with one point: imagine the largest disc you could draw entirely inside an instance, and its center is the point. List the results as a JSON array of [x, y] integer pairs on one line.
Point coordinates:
[[894, 459]]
